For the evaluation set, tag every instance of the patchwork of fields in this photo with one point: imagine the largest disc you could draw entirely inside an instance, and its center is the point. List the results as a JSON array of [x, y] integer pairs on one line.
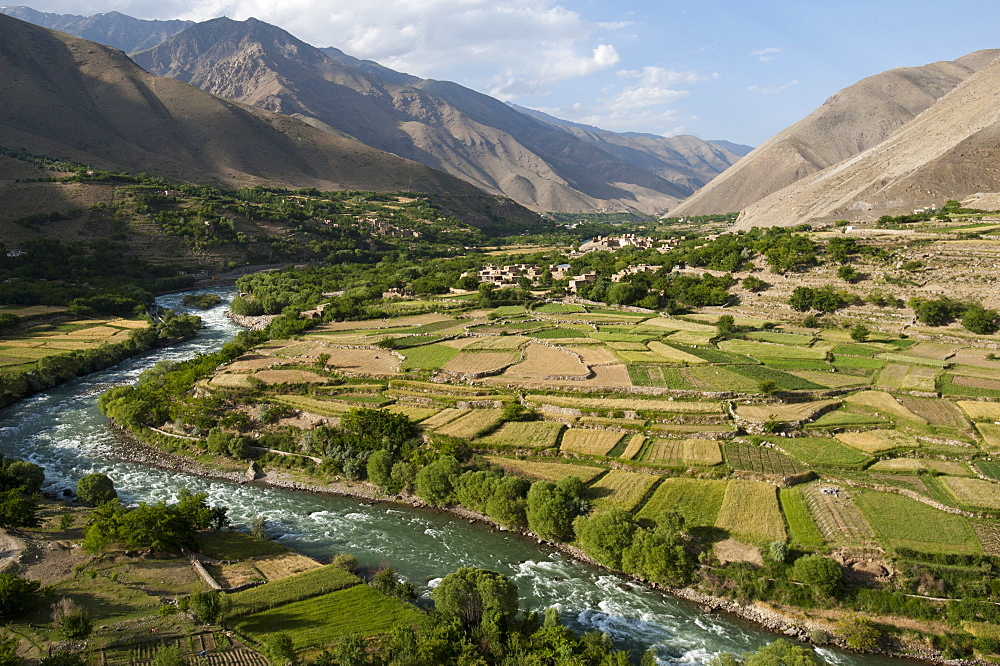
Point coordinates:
[[655, 413]]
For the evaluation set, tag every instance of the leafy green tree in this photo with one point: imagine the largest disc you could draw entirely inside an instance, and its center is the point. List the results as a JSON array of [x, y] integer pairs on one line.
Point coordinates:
[[550, 511], [435, 483], [26, 475], [17, 595], [848, 273], [859, 632], [605, 536], [209, 607], [474, 595], [754, 283], [282, 650], [169, 655], [95, 489], [9, 646], [17, 509], [380, 469], [352, 651], [507, 504], [725, 325], [822, 573], [979, 320], [860, 333]]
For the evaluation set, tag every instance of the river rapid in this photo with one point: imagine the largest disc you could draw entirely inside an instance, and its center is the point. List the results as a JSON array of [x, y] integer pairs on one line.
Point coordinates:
[[63, 431]]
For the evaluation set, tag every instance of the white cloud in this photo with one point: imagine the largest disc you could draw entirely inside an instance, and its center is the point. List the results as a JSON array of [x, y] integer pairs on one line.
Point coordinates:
[[766, 55], [770, 90]]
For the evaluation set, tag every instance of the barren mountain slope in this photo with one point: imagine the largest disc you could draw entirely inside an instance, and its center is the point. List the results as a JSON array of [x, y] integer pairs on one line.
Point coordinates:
[[69, 98], [851, 121], [950, 151], [440, 124], [111, 29], [685, 160]]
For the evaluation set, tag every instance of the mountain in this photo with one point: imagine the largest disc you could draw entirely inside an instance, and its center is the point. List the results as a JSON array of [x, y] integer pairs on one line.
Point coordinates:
[[950, 151], [684, 160], [438, 123], [851, 121], [69, 98], [111, 29]]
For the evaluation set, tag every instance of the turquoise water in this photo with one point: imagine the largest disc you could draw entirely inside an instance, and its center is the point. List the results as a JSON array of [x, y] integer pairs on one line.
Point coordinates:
[[64, 432]]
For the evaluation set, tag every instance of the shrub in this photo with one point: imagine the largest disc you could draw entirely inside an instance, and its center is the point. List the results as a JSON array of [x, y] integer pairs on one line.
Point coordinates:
[[822, 573]]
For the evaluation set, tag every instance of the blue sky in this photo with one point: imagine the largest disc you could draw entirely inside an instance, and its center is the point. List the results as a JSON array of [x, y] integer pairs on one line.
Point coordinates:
[[738, 71]]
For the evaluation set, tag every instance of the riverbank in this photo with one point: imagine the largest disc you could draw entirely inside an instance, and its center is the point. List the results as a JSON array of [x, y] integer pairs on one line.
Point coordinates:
[[132, 449]]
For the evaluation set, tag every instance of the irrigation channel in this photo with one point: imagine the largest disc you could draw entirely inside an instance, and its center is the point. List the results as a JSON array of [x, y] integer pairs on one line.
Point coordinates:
[[63, 431]]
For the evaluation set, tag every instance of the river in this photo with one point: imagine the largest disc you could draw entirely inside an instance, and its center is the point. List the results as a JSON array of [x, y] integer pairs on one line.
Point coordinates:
[[63, 431]]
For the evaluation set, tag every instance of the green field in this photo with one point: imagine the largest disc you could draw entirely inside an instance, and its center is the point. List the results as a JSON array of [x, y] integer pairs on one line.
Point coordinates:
[[522, 435], [802, 528], [750, 512], [294, 588], [319, 621], [823, 452], [761, 459], [698, 500], [900, 522], [624, 490], [428, 357]]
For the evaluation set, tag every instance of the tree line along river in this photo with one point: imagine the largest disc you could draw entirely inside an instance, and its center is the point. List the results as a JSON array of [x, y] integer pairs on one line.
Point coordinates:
[[63, 431]]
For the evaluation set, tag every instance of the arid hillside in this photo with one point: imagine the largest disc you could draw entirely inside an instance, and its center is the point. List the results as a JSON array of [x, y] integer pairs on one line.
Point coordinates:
[[851, 121], [438, 123], [950, 151], [69, 98]]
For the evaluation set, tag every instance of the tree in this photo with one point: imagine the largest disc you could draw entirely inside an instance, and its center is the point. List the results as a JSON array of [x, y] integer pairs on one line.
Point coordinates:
[[782, 653], [169, 655], [95, 489], [848, 273], [474, 595], [506, 504], [822, 573], [860, 333], [979, 320], [9, 645], [380, 469], [549, 511], [281, 649], [725, 325], [859, 632], [18, 510], [435, 483], [605, 536], [17, 595], [27, 475], [209, 607]]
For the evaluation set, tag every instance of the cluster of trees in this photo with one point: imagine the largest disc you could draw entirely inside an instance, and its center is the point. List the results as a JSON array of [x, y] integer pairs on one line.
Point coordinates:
[[825, 299], [159, 527], [201, 301], [944, 310], [20, 482], [476, 620]]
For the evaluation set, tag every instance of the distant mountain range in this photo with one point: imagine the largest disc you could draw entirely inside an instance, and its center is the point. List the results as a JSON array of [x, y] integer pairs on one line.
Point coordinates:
[[853, 120], [111, 29], [74, 99], [542, 164]]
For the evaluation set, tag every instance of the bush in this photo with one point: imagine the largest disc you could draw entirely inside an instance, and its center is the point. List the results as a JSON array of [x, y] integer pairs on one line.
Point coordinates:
[[95, 489], [822, 573], [860, 333], [858, 632], [979, 320]]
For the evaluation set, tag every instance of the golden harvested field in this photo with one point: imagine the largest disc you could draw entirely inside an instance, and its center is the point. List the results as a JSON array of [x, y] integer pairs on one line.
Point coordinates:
[[590, 442], [830, 379], [29, 353], [444, 417], [397, 322], [883, 403], [252, 362], [973, 493], [796, 411], [477, 362], [31, 310], [541, 362], [460, 343], [92, 332], [314, 405], [277, 567], [415, 414], [936, 411], [672, 324], [472, 424], [701, 452], [226, 380], [991, 435], [915, 465], [633, 447], [675, 355], [632, 424], [498, 343], [129, 323], [907, 377], [980, 411], [630, 404], [72, 345], [594, 355], [549, 471], [934, 350], [523, 435], [376, 362], [624, 490], [289, 377], [877, 441], [750, 511]]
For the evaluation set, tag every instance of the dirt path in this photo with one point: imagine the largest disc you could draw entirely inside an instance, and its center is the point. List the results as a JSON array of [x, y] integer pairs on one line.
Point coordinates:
[[11, 548]]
